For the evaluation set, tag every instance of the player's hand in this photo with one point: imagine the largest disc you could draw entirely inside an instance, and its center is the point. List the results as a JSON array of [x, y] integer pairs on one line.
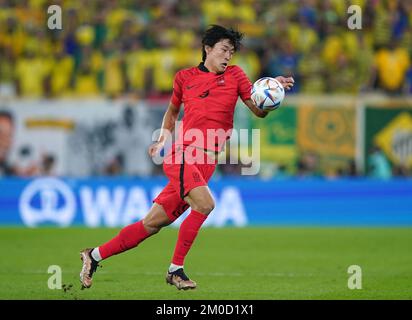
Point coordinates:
[[286, 82], [155, 148]]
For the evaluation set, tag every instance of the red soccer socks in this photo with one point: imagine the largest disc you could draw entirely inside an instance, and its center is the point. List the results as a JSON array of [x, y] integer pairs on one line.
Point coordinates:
[[187, 234], [128, 238]]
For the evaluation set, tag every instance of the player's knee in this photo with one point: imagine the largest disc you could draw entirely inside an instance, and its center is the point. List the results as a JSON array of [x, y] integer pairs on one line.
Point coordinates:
[[155, 220], [151, 226], [204, 207]]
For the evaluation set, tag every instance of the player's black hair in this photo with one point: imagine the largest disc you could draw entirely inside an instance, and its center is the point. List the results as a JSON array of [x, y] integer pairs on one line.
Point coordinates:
[[6, 114], [215, 33]]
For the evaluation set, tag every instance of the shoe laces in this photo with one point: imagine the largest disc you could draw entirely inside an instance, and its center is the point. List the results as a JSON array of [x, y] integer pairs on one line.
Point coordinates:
[[93, 267], [180, 273]]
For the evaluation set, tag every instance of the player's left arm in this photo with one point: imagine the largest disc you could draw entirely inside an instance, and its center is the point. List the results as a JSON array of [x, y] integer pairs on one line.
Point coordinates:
[[287, 83]]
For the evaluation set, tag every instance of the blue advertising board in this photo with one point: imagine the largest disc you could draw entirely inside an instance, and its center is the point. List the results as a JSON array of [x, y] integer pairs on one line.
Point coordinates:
[[243, 201]]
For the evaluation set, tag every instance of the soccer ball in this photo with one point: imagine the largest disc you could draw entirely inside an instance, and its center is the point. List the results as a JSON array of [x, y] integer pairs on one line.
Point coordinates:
[[267, 93]]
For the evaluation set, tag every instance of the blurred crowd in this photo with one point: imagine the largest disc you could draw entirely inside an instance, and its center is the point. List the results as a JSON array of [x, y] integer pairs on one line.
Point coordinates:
[[124, 47], [127, 48]]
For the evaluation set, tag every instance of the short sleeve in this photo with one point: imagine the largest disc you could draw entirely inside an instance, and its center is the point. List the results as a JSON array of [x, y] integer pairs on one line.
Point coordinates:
[[244, 84], [177, 90]]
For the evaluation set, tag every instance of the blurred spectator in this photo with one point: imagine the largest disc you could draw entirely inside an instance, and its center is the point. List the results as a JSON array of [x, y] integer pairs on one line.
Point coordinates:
[[352, 170], [312, 71], [283, 61], [113, 79], [308, 165], [114, 167], [6, 139], [345, 78], [400, 171], [7, 85], [31, 73], [391, 64], [48, 163], [409, 82], [378, 165], [60, 81], [138, 67], [248, 60], [282, 172], [133, 136], [364, 59], [400, 18], [26, 165], [86, 81], [381, 24]]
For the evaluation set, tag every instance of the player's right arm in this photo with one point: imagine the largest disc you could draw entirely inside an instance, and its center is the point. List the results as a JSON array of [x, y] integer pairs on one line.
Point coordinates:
[[168, 125], [252, 107], [171, 115]]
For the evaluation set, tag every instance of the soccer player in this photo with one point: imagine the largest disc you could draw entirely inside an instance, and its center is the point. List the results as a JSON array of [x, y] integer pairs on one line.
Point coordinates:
[[209, 93]]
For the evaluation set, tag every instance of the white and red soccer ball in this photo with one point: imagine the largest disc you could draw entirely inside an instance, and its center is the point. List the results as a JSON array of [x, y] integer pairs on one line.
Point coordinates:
[[267, 93]]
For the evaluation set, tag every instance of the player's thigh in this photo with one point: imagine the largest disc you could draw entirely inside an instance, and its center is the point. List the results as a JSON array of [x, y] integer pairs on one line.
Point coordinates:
[[200, 199], [171, 202]]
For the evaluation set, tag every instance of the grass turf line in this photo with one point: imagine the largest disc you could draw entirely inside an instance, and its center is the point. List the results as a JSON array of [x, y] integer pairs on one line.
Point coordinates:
[[228, 263]]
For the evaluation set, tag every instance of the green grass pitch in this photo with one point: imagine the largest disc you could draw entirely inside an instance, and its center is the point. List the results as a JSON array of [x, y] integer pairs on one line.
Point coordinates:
[[228, 263]]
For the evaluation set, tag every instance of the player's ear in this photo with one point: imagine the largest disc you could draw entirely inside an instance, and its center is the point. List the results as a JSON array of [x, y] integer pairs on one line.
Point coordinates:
[[208, 49]]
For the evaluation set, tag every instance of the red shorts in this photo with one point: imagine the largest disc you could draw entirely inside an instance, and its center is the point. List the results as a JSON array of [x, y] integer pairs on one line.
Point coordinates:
[[186, 168]]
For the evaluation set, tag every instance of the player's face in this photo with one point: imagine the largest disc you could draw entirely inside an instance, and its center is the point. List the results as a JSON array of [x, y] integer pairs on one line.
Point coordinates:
[[219, 56], [6, 132]]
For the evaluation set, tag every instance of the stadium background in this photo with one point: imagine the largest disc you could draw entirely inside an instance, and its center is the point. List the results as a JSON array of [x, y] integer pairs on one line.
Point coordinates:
[[85, 100]]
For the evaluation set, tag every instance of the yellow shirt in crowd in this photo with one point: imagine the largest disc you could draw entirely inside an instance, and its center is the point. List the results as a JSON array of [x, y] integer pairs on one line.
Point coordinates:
[[392, 67], [31, 74]]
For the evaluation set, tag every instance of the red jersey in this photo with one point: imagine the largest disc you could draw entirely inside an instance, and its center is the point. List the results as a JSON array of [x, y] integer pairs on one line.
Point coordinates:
[[209, 101]]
